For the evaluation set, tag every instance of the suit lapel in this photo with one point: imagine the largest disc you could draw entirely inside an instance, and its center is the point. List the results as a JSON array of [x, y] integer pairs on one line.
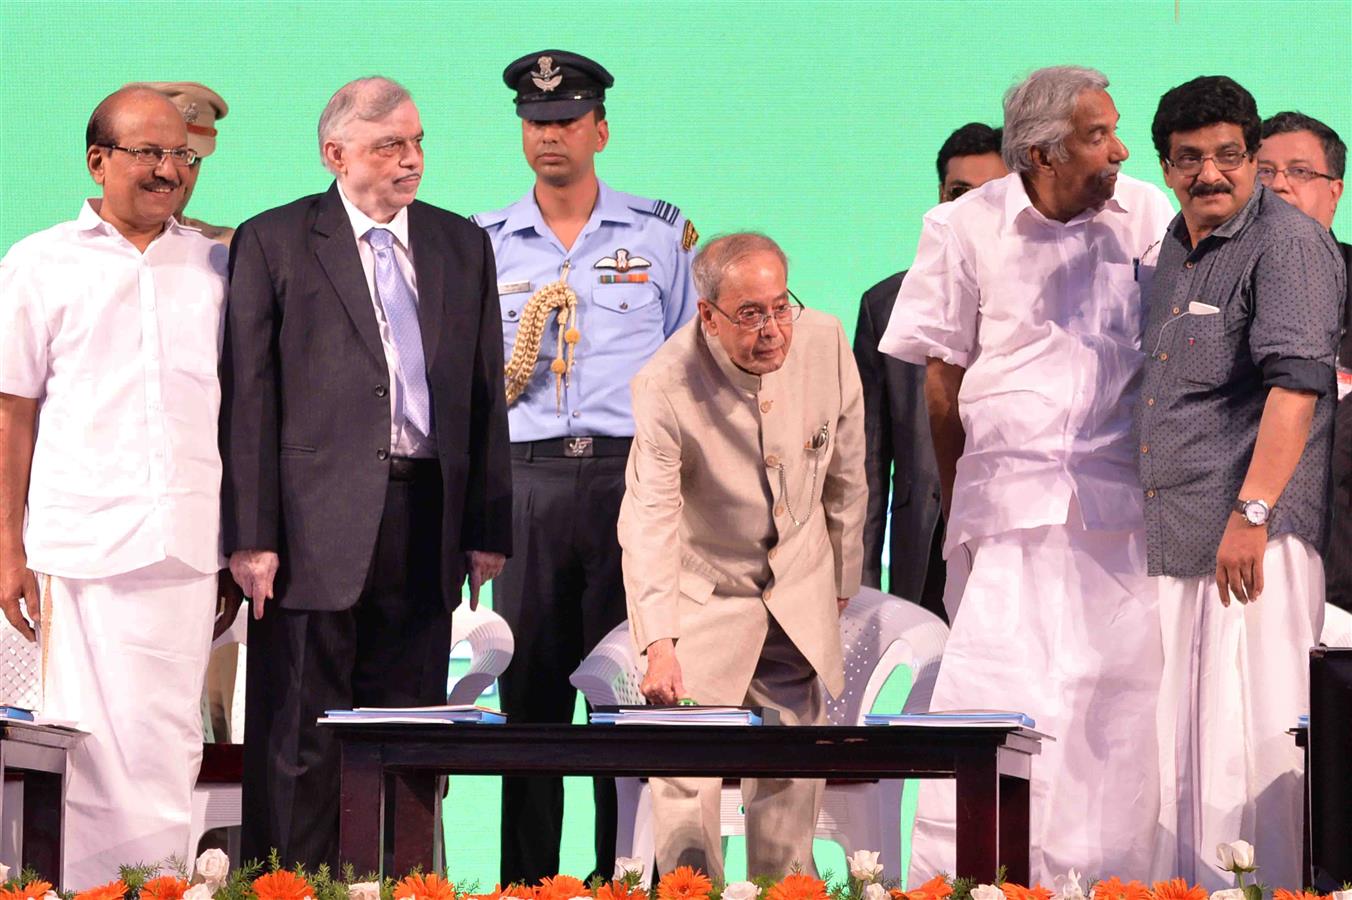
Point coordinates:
[[336, 247], [429, 266]]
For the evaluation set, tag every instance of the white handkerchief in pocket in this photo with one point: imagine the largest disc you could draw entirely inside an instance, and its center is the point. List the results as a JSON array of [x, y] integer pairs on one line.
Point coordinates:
[[1198, 308]]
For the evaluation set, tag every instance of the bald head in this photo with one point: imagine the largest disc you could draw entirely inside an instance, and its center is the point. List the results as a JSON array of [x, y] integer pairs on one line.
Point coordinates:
[[135, 100]]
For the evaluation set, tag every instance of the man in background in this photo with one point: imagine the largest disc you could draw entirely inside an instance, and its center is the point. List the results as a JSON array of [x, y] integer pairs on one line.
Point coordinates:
[[1024, 305], [592, 281], [1233, 430], [900, 453], [110, 332], [364, 437], [741, 534], [1302, 160]]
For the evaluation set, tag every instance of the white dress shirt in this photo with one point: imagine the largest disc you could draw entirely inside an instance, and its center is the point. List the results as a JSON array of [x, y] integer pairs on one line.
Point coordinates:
[[1046, 317], [405, 440], [120, 348]]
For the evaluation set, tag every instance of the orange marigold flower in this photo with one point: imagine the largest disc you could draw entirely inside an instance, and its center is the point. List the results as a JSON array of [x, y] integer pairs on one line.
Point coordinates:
[[1177, 889], [618, 890], [561, 887], [423, 887], [282, 885], [166, 887], [113, 890], [798, 886], [517, 891], [937, 888], [1114, 889], [1014, 891], [34, 890], [684, 883], [1284, 894]]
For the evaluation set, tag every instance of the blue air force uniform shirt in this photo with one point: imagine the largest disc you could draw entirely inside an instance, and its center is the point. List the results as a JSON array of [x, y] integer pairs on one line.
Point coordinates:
[[630, 269]]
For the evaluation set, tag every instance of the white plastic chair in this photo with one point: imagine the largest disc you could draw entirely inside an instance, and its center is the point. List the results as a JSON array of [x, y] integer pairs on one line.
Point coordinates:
[[879, 632], [1337, 627], [491, 645]]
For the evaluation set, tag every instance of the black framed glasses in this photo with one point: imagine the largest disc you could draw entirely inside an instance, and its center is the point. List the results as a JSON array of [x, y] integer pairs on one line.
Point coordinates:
[[151, 156], [749, 319], [1303, 174], [1225, 161]]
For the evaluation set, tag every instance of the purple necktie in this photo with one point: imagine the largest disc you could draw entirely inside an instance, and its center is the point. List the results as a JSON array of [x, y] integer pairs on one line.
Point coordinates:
[[401, 311]]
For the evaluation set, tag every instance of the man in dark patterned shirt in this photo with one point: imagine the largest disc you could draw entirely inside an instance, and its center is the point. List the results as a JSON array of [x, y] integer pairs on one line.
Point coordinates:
[[1234, 426]]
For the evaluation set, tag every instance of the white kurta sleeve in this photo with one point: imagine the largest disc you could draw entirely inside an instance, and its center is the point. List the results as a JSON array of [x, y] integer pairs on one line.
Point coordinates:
[[650, 516], [23, 329], [936, 310]]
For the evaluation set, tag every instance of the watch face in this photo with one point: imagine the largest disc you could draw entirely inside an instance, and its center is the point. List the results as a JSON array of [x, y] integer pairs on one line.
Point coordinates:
[[1256, 513]]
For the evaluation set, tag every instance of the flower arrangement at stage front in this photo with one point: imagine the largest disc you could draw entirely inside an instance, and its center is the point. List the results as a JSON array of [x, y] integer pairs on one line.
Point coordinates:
[[212, 879]]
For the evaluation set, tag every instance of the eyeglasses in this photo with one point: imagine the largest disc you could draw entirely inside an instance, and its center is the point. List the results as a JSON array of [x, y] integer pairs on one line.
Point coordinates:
[[1225, 161], [1268, 174], [754, 320], [151, 156]]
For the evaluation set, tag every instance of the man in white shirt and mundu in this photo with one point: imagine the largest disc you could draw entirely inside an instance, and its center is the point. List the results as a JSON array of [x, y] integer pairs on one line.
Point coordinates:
[[109, 338], [1024, 304]]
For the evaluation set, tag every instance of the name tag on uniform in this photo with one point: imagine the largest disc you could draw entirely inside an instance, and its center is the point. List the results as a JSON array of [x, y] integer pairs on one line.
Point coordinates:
[[513, 287]]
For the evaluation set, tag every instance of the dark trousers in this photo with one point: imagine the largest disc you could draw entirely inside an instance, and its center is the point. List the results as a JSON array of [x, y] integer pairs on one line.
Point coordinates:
[[561, 592], [390, 649]]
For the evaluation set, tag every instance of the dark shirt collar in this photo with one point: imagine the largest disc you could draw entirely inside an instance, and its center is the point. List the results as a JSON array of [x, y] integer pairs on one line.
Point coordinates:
[[1232, 226]]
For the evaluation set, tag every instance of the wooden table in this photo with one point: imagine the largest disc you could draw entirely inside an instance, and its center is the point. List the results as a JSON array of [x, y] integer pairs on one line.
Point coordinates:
[[389, 773], [37, 754]]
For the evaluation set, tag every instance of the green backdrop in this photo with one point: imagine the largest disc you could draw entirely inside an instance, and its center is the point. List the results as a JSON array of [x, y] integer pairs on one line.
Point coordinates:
[[817, 122]]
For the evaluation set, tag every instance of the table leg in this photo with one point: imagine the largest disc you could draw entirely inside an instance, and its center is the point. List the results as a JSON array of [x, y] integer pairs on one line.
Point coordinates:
[[42, 812], [1014, 849], [413, 811], [978, 818], [361, 802]]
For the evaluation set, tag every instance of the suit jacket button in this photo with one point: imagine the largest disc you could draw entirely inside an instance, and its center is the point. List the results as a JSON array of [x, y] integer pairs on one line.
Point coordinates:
[[382, 454], [380, 390]]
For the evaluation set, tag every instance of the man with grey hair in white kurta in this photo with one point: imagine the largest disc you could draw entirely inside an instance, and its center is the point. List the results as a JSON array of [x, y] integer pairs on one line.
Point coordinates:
[[1024, 305]]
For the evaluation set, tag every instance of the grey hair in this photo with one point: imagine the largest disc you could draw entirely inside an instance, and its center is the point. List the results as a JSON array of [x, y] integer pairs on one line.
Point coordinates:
[[715, 258], [1038, 111], [369, 99]]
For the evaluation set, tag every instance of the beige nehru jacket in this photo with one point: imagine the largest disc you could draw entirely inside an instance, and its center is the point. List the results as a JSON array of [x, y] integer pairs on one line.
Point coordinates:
[[707, 528]]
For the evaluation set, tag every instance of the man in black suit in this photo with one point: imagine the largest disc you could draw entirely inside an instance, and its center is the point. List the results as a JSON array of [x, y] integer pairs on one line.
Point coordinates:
[[1302, 160], [364, 441], [900, 452]]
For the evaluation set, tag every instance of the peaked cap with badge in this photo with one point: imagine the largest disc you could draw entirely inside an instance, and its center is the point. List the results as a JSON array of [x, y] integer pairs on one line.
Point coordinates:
[[200, 105], [553, 85]]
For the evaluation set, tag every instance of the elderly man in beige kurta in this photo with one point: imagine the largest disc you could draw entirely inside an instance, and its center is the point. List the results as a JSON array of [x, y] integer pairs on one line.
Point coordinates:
[[741, 530]]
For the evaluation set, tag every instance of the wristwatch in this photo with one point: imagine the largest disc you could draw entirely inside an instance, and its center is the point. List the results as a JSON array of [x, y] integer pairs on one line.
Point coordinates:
[[1255, 512]]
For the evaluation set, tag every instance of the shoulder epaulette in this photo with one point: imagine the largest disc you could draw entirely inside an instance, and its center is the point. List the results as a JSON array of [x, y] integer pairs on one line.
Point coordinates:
[[665, 211]]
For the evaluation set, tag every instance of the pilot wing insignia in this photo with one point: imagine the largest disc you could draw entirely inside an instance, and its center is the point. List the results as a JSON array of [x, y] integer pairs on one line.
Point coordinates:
[[622, 262]]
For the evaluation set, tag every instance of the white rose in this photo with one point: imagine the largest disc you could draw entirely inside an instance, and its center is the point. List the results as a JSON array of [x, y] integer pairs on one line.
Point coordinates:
[[1341, 895], [625, 864], [1236, 856], [864, 865], [1068, 886], [741, 890], [875, 891], [4, 872], [584, 897], [202, 891], [1228, 894], [213, 865], [987, 892], [363, 890]]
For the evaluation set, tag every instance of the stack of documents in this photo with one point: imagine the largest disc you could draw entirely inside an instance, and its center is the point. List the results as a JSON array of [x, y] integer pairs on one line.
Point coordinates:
[[414, 715], [684, 715], [966, 718]]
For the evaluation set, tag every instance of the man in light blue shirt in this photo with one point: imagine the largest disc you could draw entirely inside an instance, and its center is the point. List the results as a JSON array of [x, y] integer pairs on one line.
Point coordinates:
[[592, 282]]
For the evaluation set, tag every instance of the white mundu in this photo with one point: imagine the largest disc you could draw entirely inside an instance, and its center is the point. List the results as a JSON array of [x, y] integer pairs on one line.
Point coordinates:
[[1057, 618], [120, 350]]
